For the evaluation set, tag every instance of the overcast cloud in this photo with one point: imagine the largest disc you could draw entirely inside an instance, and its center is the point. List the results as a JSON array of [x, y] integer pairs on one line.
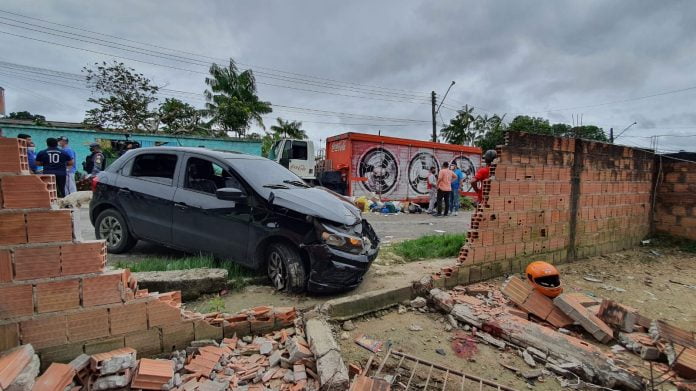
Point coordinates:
[[507, 57]]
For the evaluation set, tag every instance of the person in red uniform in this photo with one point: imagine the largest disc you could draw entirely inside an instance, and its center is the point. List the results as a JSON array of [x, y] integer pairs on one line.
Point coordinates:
[[482, 174]]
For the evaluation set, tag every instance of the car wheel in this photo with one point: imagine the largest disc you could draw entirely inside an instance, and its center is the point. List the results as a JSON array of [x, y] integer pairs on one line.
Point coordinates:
[[285, 268], [112, 227]]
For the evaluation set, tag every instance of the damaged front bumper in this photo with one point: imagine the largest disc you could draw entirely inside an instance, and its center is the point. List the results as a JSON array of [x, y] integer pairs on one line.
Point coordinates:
[[333, 270]]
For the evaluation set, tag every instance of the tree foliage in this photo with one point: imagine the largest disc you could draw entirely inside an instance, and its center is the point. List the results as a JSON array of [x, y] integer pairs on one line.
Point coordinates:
[[232, 102], [25, 115], [487, 132], [288, 129], [180, 118], [122, 96]]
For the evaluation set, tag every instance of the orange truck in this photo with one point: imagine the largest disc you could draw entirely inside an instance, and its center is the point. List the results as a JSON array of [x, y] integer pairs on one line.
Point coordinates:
[[393, 169]]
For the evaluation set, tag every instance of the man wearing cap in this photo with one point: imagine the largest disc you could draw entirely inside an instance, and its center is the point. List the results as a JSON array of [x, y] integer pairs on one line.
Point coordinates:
[[55, 161], [96, 162], [70, 186]]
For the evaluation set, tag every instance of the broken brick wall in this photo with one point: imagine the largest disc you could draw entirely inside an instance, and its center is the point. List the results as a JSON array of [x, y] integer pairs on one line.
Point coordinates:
[[675, 207], [558, 199]]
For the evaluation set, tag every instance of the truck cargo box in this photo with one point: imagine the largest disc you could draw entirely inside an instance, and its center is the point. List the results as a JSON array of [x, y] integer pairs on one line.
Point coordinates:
[[395, 168]]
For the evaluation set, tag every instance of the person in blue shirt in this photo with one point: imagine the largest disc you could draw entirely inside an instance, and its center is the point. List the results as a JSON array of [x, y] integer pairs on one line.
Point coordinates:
[[456, 184], [70, 186], [55, 161], [31, 154]]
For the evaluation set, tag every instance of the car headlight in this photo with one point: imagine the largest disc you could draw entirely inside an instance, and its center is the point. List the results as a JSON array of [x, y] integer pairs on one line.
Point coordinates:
[[342, 242]]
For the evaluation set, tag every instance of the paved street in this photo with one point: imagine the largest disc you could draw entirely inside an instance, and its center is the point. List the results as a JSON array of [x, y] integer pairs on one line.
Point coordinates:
[[390, 228]]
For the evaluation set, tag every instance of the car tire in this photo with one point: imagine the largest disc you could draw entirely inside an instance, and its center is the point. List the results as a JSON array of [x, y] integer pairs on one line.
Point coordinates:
[[285, 268], [112, 227]]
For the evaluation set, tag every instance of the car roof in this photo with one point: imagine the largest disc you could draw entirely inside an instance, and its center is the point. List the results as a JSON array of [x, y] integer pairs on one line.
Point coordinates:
[[202, 151]]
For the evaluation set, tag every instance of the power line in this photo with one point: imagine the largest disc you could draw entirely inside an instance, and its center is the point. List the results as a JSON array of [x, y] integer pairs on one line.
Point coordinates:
[[326, 82]]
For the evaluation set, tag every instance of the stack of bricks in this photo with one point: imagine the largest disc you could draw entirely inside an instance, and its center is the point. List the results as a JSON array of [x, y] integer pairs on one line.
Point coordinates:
[[557, 199], [54, 292], [675, 209]]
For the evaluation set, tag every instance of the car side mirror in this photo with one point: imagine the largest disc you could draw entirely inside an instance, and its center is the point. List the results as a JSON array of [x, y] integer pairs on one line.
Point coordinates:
[[230, 194]]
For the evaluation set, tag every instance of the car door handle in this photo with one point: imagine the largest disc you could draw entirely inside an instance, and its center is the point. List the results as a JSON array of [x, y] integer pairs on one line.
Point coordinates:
[[180, 205], [124, 191]]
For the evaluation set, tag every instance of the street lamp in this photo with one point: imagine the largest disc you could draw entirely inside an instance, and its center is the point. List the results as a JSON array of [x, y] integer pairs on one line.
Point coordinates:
[[611, 136]]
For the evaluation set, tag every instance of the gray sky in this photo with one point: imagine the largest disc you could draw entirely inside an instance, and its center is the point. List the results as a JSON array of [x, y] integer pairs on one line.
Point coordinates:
[[507, 57]]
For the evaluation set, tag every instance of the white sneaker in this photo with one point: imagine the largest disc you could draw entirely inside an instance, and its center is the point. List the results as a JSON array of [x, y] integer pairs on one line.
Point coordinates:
[[456, 214]]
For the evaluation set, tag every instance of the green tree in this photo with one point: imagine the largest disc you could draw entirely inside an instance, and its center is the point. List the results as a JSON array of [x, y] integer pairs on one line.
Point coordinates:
[[38, 119], [232, 100], [122, 97], [180, 117], [267, 142], [525, 123], [289, 129], [589, 132], [494, 133], [461, 130]]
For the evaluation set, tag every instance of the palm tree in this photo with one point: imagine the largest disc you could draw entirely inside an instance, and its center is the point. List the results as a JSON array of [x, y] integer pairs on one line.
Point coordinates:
[[232, 102], [288, 129], [460, 129]]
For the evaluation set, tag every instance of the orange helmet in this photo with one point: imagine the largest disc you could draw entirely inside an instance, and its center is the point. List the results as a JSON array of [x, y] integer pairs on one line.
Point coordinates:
[[544, 278]]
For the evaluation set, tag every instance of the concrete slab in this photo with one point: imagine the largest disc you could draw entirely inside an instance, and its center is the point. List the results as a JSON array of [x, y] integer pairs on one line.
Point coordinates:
[[332, 371]]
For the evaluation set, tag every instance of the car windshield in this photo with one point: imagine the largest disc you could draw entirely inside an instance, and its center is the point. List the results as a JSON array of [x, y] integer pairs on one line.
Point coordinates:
[[264, 173]]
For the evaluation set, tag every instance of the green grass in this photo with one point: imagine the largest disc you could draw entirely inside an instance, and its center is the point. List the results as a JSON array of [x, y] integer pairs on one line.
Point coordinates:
[[431, 246], [156, 264]]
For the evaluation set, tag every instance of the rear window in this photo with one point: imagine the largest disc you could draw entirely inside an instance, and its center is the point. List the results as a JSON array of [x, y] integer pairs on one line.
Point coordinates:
[[155, 166]]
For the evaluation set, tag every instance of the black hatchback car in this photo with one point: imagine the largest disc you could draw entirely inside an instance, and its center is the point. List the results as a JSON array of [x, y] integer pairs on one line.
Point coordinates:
[[237, 207]]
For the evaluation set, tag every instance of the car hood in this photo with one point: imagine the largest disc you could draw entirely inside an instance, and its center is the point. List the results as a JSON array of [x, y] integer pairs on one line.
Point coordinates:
[[317, 203]]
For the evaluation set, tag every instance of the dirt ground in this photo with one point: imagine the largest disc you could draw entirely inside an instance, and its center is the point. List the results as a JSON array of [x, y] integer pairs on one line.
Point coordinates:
[[644, 274], [394, 327]]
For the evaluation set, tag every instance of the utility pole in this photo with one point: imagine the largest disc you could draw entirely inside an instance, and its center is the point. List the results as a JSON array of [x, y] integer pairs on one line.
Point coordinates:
[[432, 102], [611, 135]]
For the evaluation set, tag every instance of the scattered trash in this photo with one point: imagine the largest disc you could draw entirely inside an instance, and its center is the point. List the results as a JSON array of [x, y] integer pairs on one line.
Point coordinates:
[[591, 279], [656, 253], [441, 352], [439, 231], [645, 242], [369, 343]]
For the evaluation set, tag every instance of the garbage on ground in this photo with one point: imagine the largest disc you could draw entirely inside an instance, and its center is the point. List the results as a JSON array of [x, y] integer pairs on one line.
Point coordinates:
[[369, 343]]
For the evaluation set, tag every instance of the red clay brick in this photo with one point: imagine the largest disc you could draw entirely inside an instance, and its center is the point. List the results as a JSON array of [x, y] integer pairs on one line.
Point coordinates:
[[45, 332], [49, 226], [16, 301], [161, 313], [82, 258], [37, 262], [13, 156], [57, 296], [103, 289], [12, 228], [5, 266], [128, 318], [9, 336], [24, 191], [89, 324]]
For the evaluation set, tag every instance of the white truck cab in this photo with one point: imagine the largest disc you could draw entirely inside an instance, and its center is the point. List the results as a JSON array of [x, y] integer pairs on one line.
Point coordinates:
[[295, 155]]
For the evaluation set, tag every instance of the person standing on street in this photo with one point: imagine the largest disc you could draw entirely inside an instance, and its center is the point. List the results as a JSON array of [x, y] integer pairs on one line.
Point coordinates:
[[432, 189], [456, 185], [70, 186], [482, 174], [55, 161], [444, 188], [95, 162]]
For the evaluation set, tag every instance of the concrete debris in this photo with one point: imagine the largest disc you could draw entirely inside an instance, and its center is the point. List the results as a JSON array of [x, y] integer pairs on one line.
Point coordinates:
[[528, 358], [531, 374], [649, 353], [618, 315], [332, 371], [402, 309], [571, 305], [415, 327], [592, 279], [419, 302], [489, 339], [348, 326], [442, 300], [453, 322]]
